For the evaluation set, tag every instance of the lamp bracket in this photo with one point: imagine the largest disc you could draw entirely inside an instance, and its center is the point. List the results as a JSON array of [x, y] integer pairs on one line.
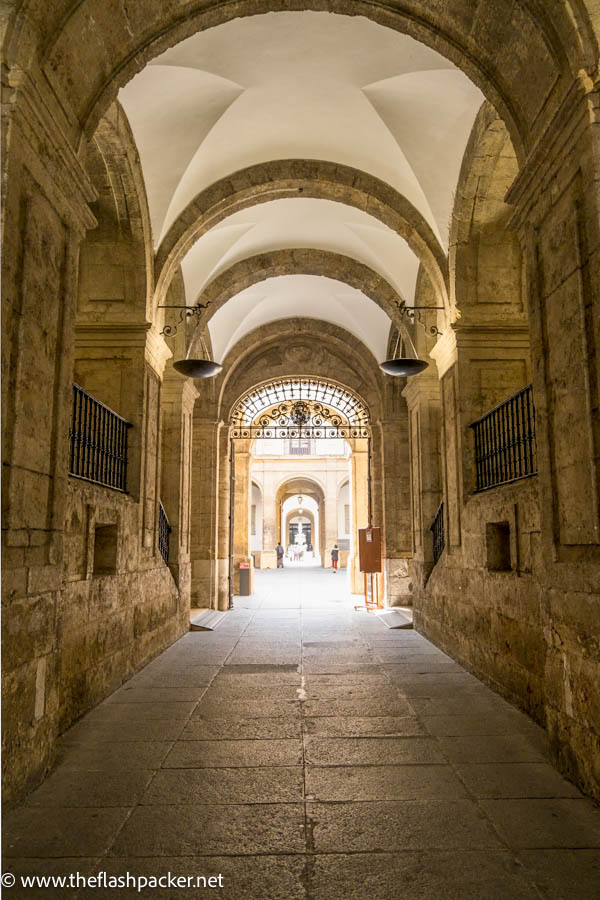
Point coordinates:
[[187, 312], [413, 314]]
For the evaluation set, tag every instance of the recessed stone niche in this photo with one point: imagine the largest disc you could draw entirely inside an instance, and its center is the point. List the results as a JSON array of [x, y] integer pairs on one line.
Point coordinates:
[[106, 539], [497, 539]]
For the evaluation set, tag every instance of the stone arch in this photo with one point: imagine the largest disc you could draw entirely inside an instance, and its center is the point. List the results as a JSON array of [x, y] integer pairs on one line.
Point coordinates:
[[313, 480], [313, 347], [286, 348], [259, 268], [121, 210], [484, 255], [299, 178], [316, 490], [557, 40], [293, 514]]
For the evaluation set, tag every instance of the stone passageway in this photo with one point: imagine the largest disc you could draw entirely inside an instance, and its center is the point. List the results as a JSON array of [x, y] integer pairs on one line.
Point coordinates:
[[303, 750]]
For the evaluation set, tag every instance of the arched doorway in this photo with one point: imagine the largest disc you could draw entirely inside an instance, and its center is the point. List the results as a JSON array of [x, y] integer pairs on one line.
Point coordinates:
[[293, 416]]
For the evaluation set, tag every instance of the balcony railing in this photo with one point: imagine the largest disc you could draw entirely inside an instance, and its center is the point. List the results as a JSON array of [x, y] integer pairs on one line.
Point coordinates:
[[439, 537], [505, 445], [164, 530], [98, 442], [299, 449]]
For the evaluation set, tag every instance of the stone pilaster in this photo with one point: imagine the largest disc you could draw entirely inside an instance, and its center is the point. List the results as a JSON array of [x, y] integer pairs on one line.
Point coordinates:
[[331, 515], [397, 525], [224, 584], [423, 400], [359, 492], [271, 514], [241, 537], [178, 398], [207, 498]]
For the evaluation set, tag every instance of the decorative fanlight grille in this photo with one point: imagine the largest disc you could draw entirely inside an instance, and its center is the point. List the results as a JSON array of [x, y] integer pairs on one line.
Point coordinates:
[[300, 408]]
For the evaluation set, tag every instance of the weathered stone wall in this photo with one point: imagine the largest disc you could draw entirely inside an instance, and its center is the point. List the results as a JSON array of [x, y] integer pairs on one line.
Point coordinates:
[[557, 215], [490, 620], [86, 597], [109, 625], [530, 630]]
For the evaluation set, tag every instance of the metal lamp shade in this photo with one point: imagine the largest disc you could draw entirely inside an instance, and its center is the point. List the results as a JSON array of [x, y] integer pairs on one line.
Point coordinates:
[[197, 368], [403, 367]]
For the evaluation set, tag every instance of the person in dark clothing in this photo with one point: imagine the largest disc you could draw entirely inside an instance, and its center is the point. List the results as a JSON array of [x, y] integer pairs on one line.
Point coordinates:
[[279, 551], [335, 555]]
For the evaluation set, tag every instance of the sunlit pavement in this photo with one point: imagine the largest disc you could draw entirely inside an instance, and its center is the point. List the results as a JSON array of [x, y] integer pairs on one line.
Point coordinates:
[[304, 750]]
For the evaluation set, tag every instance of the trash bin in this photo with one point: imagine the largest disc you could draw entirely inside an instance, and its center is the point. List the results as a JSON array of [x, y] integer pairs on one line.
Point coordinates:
[[244, 579]]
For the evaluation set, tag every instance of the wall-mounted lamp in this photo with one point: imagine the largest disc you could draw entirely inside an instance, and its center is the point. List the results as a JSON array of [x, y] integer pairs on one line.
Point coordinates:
[[192, 368], [404, 366]]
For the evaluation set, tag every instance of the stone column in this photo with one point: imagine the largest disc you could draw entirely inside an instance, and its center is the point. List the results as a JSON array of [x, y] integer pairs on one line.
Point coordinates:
[[271, 526], [178, 398], [241, 538], [224, 585], [397, 523], [359, 491], [331, 516], [207, 498], [423, 399]]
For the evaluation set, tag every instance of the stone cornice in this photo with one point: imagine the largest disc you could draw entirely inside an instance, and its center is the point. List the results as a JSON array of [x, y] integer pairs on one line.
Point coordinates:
[[505, 336], [103, 336], [481, 338], [138, 337]]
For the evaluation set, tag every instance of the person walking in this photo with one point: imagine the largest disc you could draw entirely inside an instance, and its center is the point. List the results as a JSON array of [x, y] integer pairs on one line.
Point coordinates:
[[335, 554], [279, 551]]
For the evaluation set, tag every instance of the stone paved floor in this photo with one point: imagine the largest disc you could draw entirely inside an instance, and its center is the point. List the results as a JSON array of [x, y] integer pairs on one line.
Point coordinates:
[[303, 750]]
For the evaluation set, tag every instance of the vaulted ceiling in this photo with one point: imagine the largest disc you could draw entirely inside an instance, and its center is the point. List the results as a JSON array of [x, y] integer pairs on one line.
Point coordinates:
[[303, 85]]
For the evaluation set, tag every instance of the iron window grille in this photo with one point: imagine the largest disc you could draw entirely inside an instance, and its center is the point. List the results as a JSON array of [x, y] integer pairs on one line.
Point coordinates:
[[164, 530], [439, 537], [98, 442], [505, 443]]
